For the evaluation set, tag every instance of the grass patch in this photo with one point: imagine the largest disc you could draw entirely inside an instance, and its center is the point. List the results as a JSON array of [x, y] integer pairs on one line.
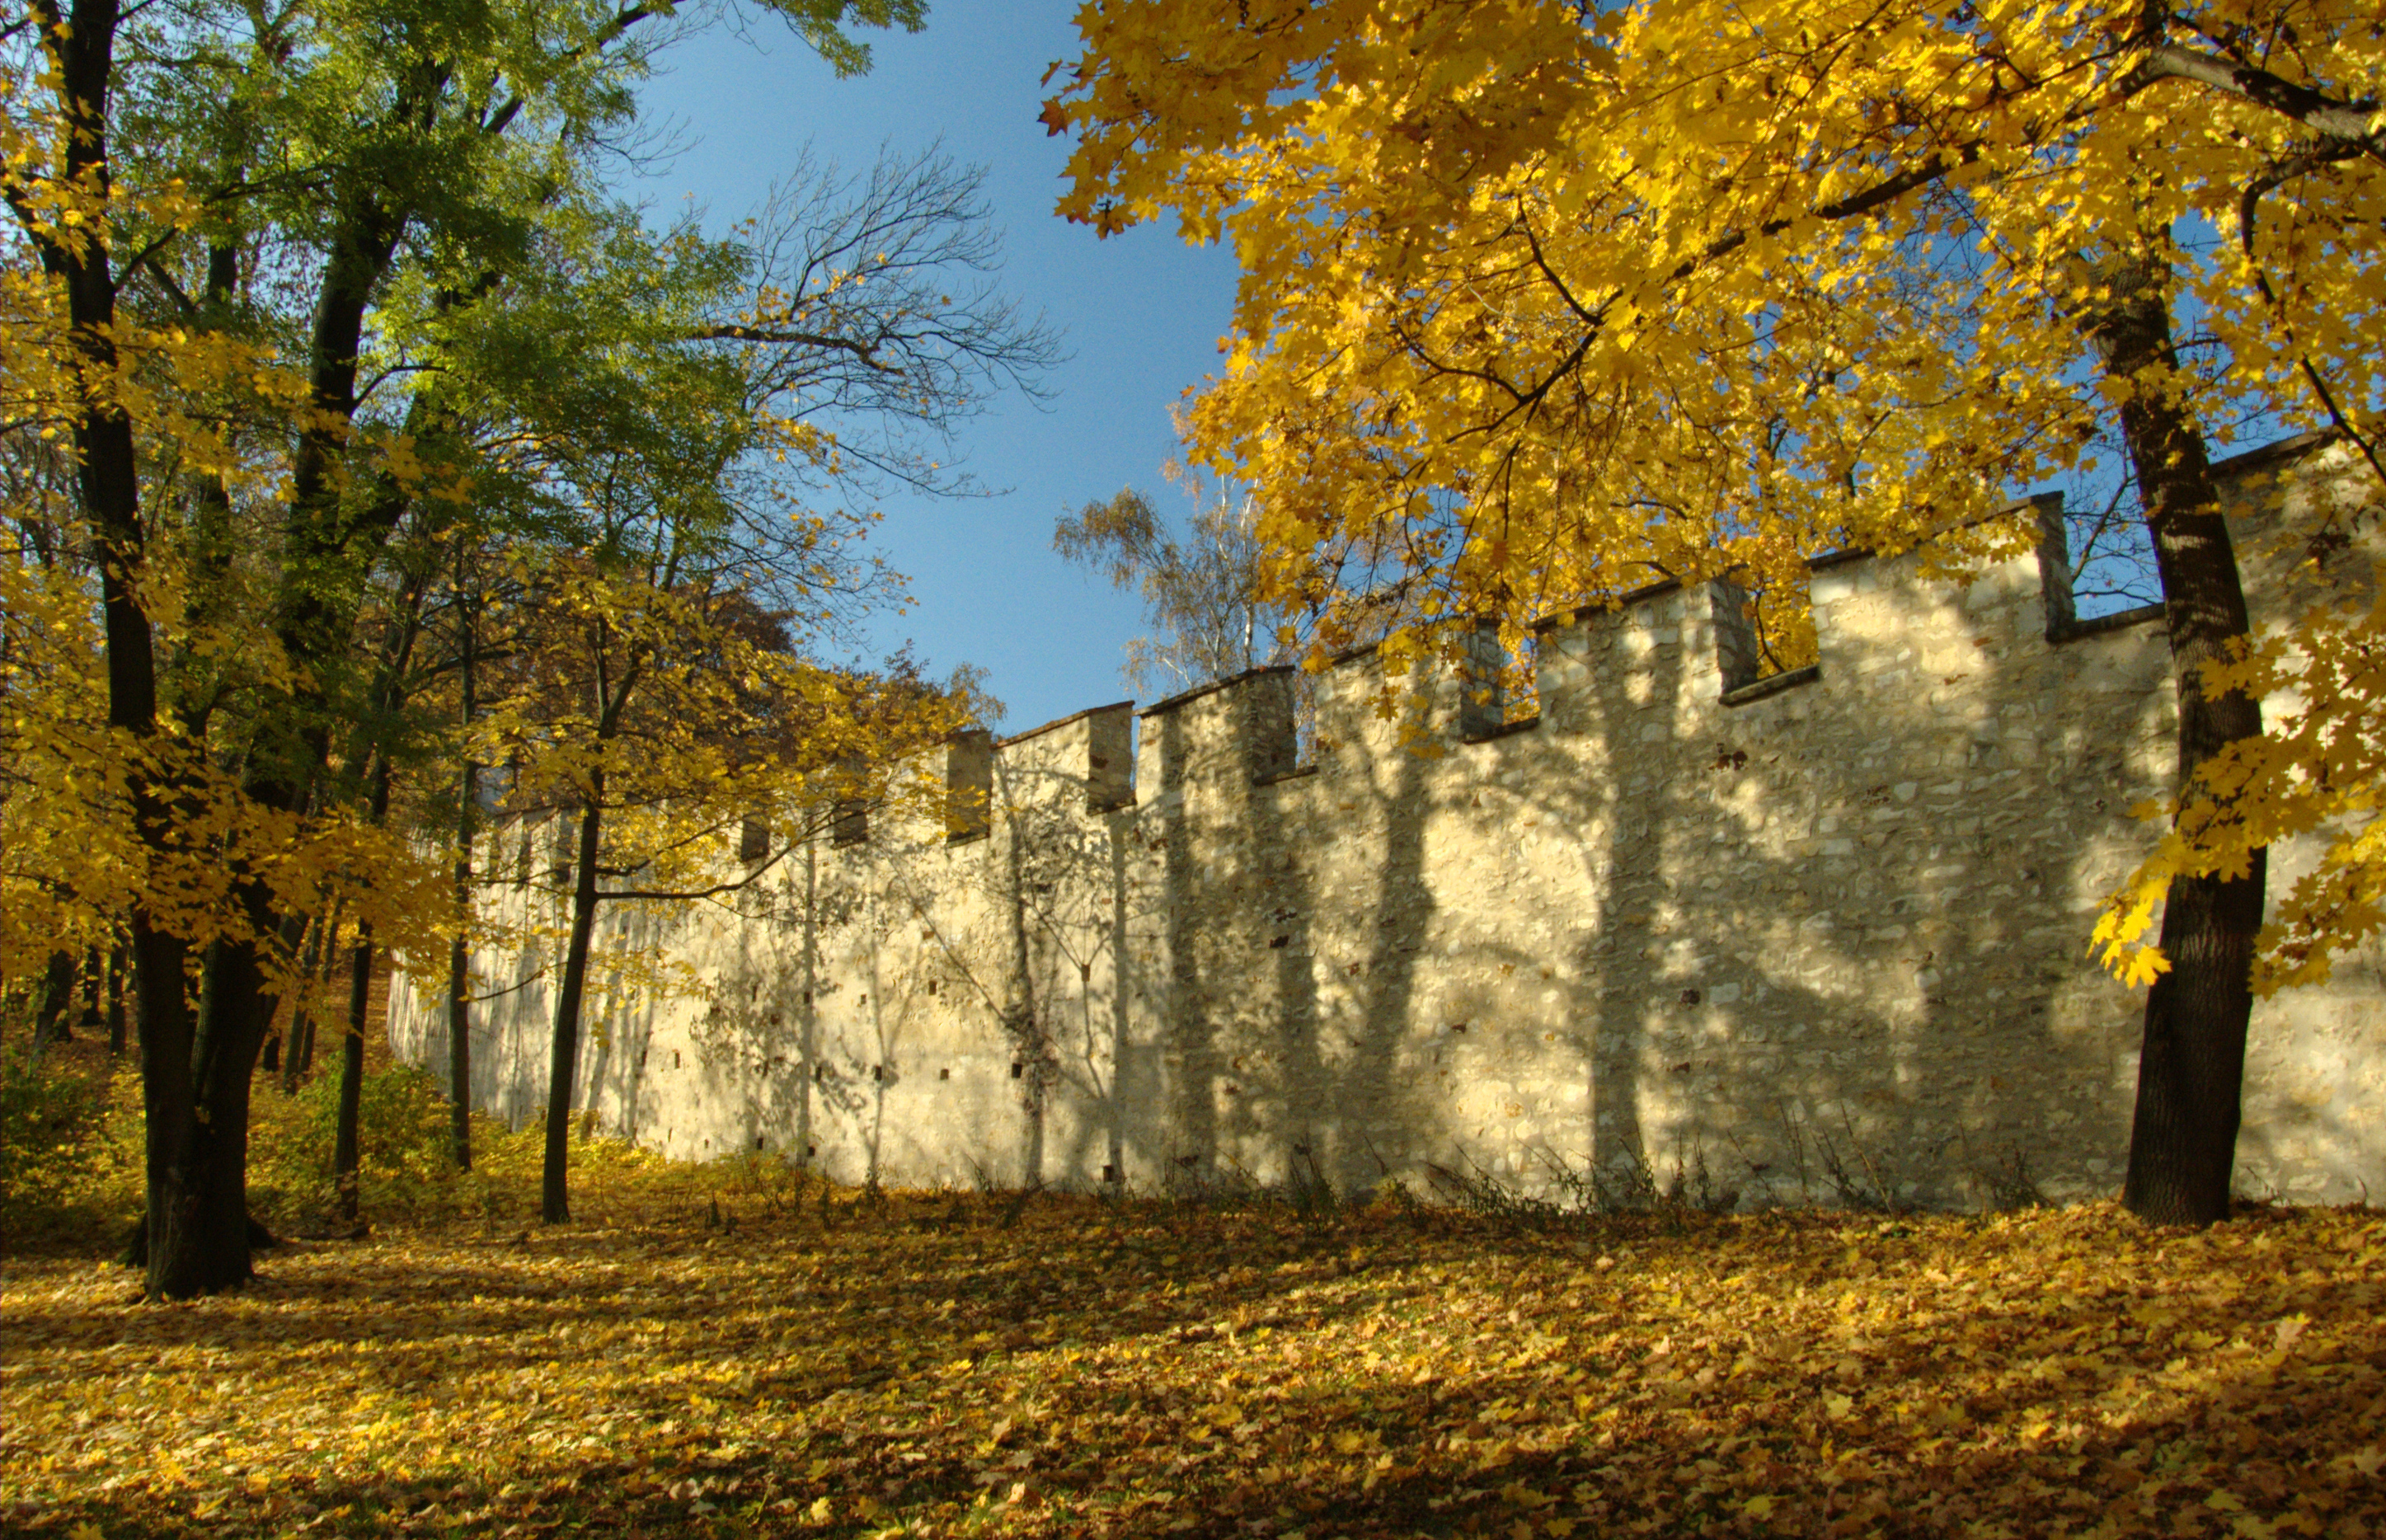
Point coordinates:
[[72, 1162]]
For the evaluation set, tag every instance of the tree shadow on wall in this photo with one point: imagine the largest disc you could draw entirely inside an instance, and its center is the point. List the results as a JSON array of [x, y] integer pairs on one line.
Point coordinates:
[[1823, 945], [1838, 956], [1820, 944]]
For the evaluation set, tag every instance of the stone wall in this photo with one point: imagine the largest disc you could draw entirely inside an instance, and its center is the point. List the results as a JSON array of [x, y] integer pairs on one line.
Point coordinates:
[[1783, 938]]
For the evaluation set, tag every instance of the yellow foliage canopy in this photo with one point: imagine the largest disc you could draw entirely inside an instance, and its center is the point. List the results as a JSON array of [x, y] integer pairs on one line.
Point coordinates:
[[1542, 301], [73, 864]]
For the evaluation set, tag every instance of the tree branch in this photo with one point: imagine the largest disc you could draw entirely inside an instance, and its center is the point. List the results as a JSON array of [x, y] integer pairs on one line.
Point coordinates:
[[733, 333], [713, 892], [2347, 122]]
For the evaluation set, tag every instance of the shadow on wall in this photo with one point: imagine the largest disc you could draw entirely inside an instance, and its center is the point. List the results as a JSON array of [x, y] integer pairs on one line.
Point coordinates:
[[1677, 931], [1813, 937]]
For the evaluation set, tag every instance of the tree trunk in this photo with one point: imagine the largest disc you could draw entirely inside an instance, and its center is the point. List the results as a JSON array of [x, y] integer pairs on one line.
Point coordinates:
[[115, 1001], [311, 621], [107, 484], [223, 1061], [553, 1203], [95, 972], [459, 1040], [2191, 1068], [299, 1055], [460, 951], [237, 1009], [345, 1144], [179, 1133], [57, 1001]]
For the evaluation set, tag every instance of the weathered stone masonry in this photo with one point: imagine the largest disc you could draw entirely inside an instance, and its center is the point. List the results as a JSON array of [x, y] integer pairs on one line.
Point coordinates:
[[1835, 919]]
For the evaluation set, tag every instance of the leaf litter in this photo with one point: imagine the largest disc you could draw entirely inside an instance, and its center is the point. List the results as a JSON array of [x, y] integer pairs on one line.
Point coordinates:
[[724, 1362]]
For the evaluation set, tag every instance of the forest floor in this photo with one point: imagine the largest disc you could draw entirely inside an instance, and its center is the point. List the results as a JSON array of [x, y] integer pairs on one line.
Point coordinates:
[[728, 1351]]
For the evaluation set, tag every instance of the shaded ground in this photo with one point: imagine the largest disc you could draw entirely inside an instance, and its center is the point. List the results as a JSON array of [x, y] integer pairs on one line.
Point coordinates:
[[942, 1366]]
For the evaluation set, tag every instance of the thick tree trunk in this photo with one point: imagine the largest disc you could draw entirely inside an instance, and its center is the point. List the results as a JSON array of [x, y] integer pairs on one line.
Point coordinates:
[[107, 483], [57, 1001], [2192, 1068], [223, 1060], [312, 622], [554, 1206], [237, 1009]]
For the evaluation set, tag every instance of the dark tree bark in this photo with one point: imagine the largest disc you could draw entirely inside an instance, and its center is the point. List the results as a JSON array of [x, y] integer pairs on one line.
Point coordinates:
[[116, 1023], [185, 1066], [555, 1205], [299, 1056], [313, 621], [460, 951], [459, 1032], [223, 1060], [236, 1010], [57, 1001], [194, 1071], [2192, 1068], [81, 46], [461, 987], [94, 972], [345, 1143]]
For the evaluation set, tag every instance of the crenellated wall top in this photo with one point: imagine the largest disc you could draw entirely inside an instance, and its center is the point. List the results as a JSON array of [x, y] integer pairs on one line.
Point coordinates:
[[1687, 646]]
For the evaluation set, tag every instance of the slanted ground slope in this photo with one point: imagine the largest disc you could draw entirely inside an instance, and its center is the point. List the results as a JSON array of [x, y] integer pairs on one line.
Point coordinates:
[[752, 1359]]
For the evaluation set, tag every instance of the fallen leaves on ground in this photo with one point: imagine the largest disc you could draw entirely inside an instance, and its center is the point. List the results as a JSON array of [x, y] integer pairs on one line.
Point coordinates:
[[1058, 1366]]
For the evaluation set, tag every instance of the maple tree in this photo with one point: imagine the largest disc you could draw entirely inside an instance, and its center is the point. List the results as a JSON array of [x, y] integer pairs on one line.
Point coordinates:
[[1541, 301]]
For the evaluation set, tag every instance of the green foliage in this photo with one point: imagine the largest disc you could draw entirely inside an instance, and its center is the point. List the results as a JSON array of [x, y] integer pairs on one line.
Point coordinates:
[[404, 1172], [69, 1145], [402, 1140]]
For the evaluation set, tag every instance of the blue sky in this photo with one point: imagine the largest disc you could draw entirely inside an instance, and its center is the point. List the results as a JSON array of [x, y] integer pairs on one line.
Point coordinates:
[[1141, 314]]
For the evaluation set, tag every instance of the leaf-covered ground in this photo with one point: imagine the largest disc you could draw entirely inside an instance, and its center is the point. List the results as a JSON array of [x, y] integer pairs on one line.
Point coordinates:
[[1063, 1367]]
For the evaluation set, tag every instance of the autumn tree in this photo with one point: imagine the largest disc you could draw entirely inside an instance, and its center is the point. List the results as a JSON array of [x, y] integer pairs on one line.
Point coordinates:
[[1541, 300], [1199, 585], [662, 722], [668, 677], [220, 215]]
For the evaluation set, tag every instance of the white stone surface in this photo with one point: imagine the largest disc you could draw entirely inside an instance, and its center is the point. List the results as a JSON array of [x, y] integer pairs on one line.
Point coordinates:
[[1840, 929]]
